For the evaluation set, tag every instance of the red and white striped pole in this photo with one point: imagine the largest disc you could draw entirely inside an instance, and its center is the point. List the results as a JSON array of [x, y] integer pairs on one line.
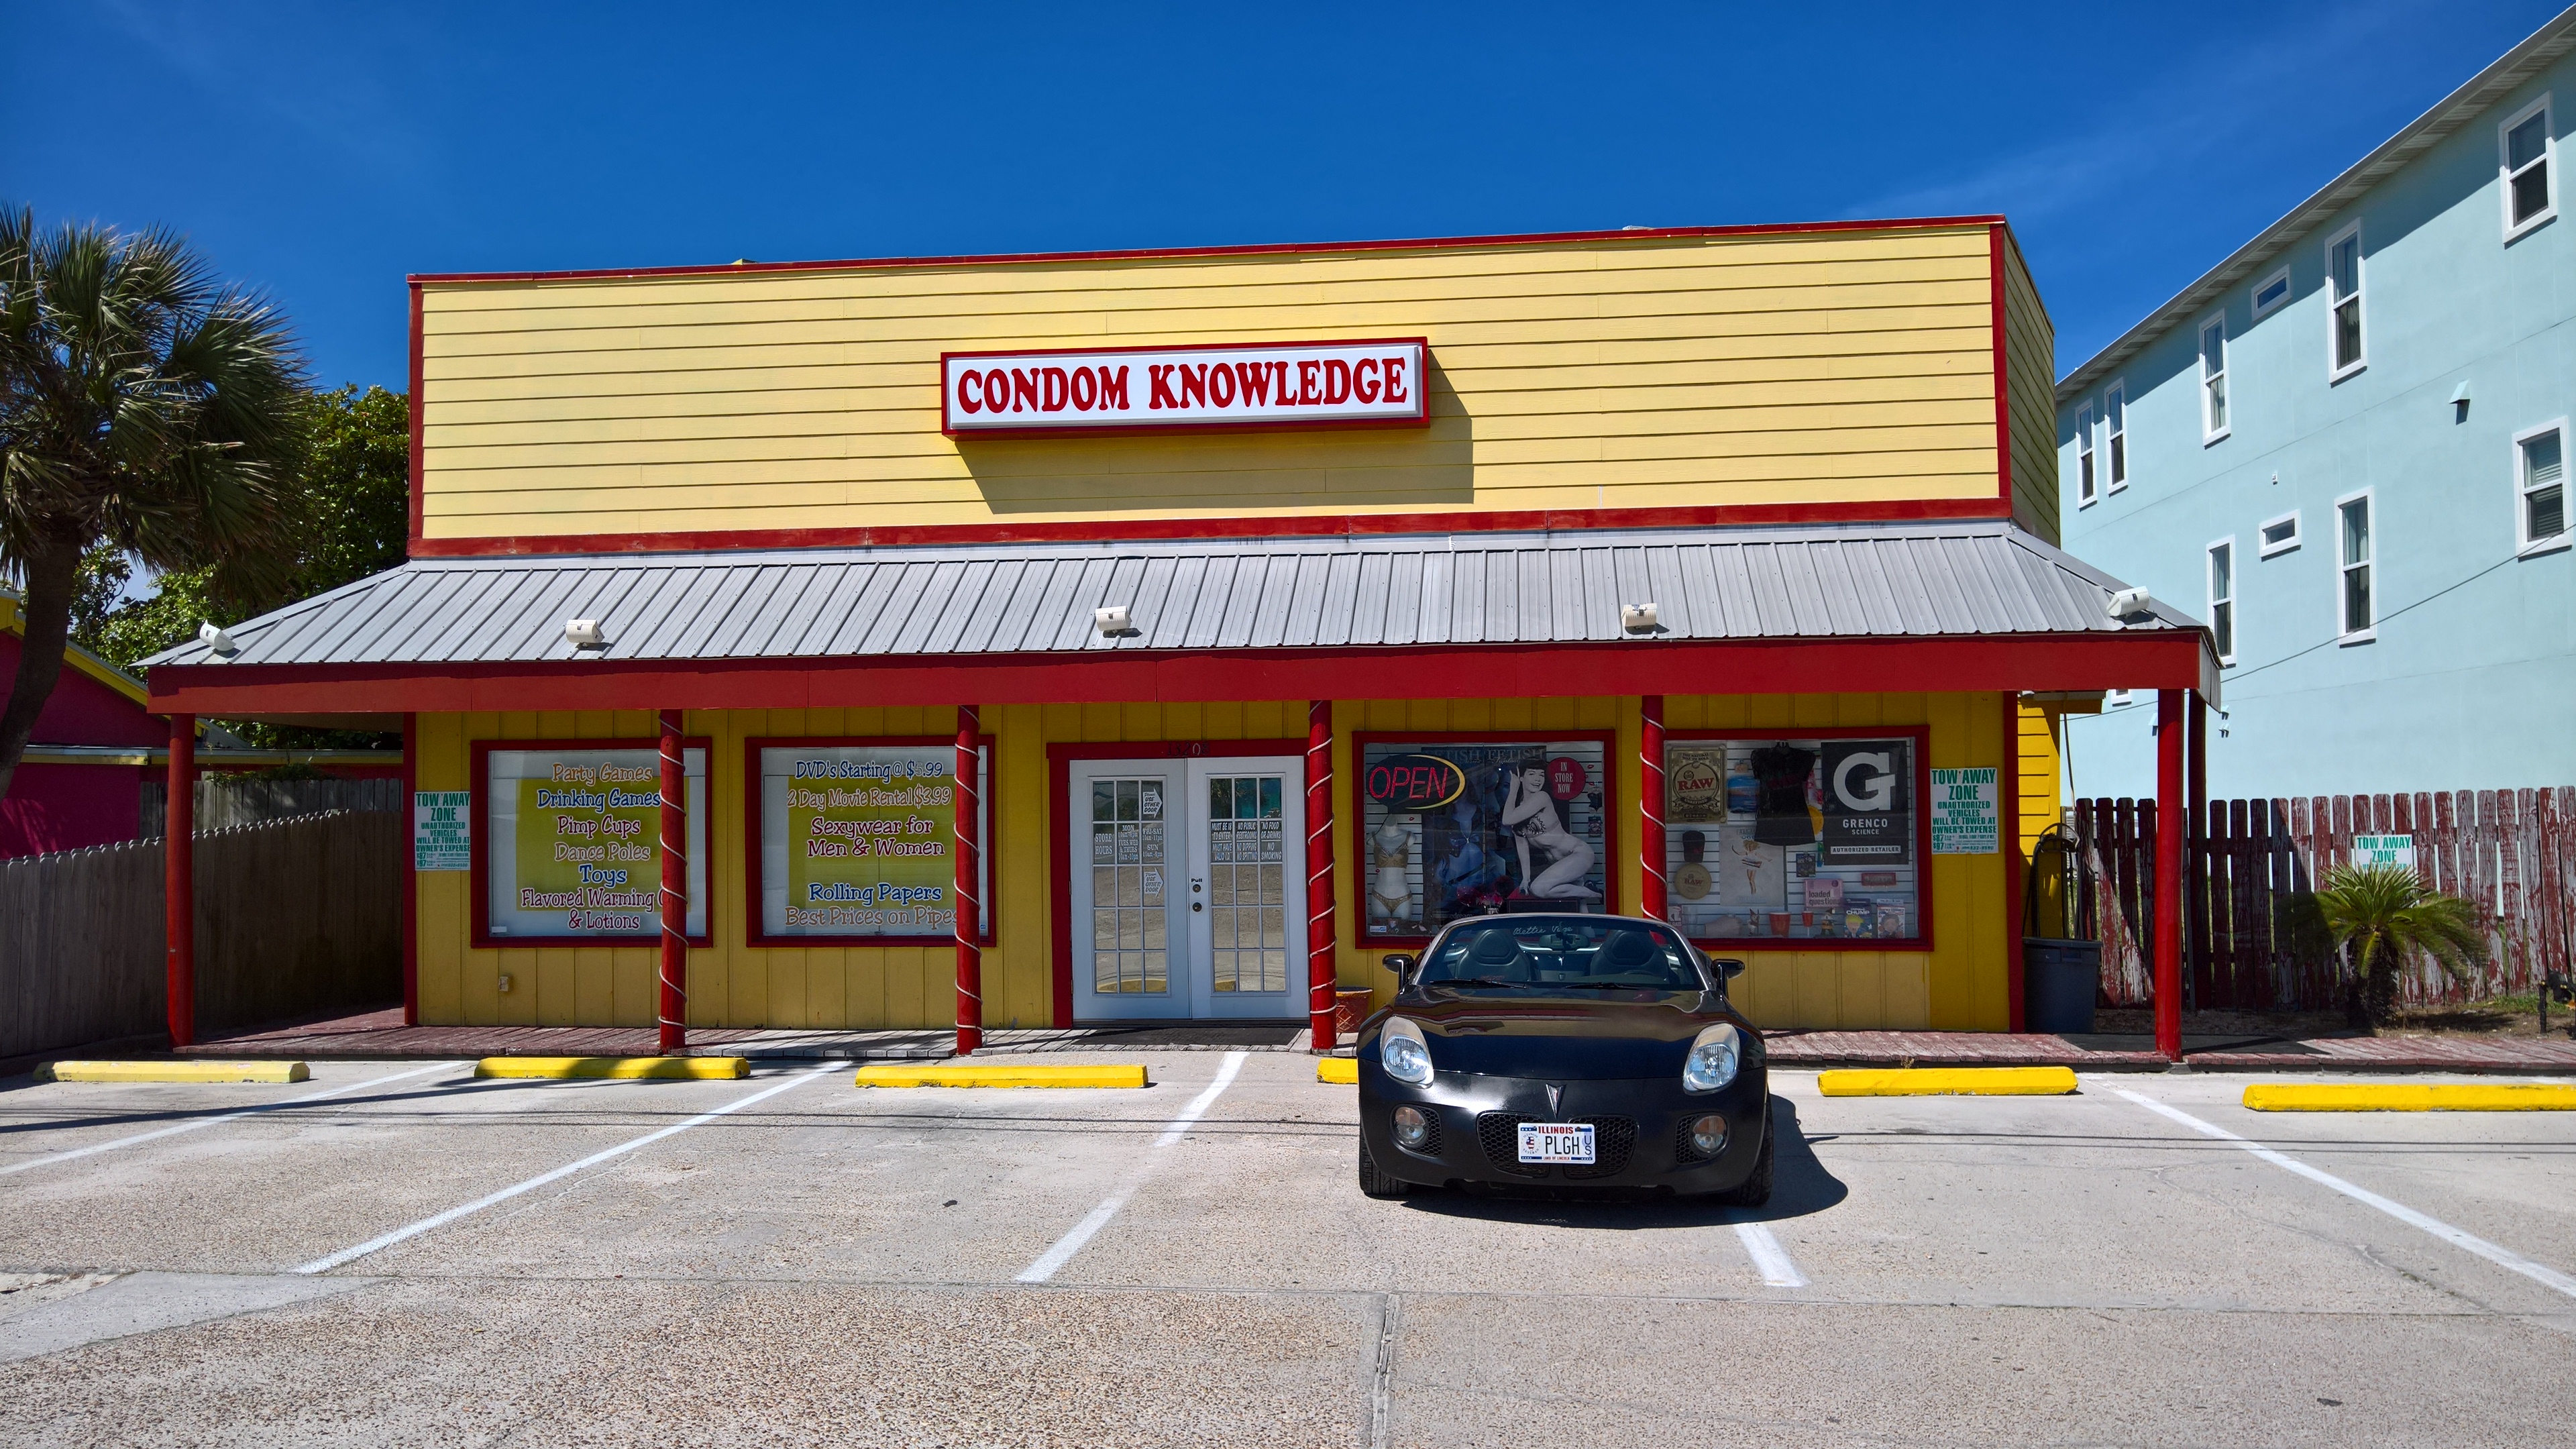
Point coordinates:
[[674, 1013], [1320, 978], [179, 883], [969, 895], [1650, 792]]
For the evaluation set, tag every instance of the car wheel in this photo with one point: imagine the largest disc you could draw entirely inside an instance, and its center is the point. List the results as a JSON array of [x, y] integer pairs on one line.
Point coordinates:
[[1374, 1183], [1755, 1190]]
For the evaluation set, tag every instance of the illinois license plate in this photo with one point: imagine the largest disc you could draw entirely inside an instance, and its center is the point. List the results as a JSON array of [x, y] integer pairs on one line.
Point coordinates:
[[1556, 1142]]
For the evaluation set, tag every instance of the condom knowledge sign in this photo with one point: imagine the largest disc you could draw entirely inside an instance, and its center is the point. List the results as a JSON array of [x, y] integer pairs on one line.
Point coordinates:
[[1263, 385]]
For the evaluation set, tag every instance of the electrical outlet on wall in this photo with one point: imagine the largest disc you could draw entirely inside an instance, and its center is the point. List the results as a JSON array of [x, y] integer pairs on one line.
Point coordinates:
[[505, 985]]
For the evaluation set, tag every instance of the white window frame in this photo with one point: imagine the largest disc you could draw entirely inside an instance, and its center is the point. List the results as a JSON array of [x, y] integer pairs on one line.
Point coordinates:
[[2264, 547], [2200, 370], [2525, 546], [2360, 296], [2088, 477], [2254, 298], [2548, 158], [2345, 634], [2115, 435], [2209, 589]]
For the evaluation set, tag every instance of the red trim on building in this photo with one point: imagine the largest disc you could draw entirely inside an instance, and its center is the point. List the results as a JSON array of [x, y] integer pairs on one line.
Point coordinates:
[[418, 496], [752, 808], [2159, 659], [2016, 869], [1921, 735], [1060, 819], [410, 872], [1399, 244], [1143, 530], [478, 842], [1608, 740]]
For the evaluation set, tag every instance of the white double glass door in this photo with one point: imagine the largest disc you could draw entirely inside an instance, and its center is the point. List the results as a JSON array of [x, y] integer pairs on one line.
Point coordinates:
[[1188, 886]]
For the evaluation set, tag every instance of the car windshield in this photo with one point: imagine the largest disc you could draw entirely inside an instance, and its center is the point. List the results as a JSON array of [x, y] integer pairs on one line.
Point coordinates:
[[1560, 952]]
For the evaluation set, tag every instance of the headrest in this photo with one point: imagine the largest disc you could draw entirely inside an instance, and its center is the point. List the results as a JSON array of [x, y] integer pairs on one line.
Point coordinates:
[[1494, 948], [1628, 949]]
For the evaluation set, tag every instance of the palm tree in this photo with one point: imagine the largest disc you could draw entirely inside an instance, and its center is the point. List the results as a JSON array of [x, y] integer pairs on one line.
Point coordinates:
[[143, 404], [2380, 915]]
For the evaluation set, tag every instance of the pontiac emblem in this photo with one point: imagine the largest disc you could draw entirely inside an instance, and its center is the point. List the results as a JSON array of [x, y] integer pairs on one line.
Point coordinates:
[[1553, 1093]]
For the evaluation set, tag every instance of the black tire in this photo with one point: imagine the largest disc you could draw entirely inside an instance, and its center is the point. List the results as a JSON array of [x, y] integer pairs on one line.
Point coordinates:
[[1374, 1183], [1754, 1191]]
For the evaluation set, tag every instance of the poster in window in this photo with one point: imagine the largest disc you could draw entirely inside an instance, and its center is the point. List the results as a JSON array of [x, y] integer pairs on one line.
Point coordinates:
[[1466, 829], [1868, 801], [858, 840], [575, 835], [1813, 839]]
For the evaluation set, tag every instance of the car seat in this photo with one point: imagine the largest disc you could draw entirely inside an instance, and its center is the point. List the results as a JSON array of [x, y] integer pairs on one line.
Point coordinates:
[[1495, 955], [1626, 952]]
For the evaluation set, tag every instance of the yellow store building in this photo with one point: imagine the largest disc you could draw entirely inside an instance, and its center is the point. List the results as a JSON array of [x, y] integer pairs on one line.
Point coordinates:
[[1130, 636]]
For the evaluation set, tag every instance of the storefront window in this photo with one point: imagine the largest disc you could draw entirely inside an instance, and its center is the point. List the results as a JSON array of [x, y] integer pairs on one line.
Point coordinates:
[[857, 840], [1794, 839], [573, 842], [1479, 826]]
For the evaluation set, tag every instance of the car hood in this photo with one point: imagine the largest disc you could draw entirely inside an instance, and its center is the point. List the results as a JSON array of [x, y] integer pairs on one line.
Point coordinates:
[[1575, 1036]]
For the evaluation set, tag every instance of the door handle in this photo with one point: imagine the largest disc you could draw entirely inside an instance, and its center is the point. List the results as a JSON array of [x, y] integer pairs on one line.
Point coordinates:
[[1195, 906]]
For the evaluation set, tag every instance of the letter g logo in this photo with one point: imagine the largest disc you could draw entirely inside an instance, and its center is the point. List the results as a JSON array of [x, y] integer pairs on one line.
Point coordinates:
[[1877, 793]]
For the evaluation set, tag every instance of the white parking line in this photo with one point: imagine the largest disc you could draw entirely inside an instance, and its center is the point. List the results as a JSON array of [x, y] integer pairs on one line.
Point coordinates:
[[191, 1126], [1062, 1251], [1769, 1259], [2456, 1237], [378, 1244]]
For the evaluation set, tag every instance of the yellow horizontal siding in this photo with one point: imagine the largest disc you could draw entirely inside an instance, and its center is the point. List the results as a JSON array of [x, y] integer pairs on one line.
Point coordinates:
[[2030, 374], [1667, 372]]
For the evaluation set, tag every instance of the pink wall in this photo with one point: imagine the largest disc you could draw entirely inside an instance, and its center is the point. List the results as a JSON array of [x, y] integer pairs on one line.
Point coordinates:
[[65, 807], [83, 711]]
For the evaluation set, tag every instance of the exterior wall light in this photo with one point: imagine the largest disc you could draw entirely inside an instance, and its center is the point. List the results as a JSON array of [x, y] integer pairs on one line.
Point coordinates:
[[2128, 602], [1114, 621], [1639, 618], [217, 640], [584, 634]]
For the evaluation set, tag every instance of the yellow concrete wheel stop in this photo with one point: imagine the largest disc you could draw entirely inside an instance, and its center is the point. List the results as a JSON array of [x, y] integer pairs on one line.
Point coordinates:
[[1949, 1082], [175, 1072], [1345, 1070], [2410, 1097], [976, 1074], [624, 1068]]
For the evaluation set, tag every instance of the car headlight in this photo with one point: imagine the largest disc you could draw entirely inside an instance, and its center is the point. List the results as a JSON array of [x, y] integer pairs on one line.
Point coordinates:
[[1403, 1052], [1713, 1059]]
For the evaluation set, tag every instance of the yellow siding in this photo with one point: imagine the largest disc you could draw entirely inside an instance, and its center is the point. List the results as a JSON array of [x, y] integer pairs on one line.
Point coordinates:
[[2030, 366], [1960, 984], [1664, 372]]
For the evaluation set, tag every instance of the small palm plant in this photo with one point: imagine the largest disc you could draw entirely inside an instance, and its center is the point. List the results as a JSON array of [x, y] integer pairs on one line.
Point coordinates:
[[2380, 915]]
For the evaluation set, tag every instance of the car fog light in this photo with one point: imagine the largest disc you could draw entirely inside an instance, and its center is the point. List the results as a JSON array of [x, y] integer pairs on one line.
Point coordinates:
[[1411, 1127], [1708, 1135]]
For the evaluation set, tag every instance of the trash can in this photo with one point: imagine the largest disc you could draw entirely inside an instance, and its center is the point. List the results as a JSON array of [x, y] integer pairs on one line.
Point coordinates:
[[2058, 981], [1350, 1009]]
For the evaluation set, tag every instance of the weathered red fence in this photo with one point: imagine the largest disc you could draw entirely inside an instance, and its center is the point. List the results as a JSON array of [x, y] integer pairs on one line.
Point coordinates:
[[2254, 939]]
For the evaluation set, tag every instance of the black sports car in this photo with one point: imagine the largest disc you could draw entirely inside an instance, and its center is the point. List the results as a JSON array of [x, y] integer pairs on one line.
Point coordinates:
[[1579, 1050]]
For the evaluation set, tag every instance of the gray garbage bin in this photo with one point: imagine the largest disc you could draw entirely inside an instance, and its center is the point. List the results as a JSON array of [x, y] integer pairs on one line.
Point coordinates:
[[2058, 979]]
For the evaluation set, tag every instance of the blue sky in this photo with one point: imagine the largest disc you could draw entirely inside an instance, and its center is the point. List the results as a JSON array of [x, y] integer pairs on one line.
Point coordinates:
[[322, 152]]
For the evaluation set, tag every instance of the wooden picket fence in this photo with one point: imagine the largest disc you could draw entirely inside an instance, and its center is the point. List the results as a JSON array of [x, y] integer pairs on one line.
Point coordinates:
[[2254, 939]]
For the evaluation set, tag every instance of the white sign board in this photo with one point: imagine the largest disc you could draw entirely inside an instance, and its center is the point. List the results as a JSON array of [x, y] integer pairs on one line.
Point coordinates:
[[441, 833], [1966, 812], [2384, 850], [1264, 385]]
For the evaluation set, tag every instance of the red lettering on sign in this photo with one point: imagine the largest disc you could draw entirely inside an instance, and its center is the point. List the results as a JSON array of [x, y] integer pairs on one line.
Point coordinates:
[[1113, 393], [1156, 373], [1255, 380], [1055, 389], [997, 390], [1220, 385], [1024, 389], [1337, 382], [1364, 379], [970, 402], [1307, 396], [1193, 384], [1395, 379], [1086, 389]]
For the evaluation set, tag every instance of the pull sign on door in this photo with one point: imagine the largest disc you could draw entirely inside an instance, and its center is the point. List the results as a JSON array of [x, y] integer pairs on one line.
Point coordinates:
[[1266, 385]]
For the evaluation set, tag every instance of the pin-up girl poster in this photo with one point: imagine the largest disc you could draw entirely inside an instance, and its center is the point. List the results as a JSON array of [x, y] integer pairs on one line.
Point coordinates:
[[1553, 859]]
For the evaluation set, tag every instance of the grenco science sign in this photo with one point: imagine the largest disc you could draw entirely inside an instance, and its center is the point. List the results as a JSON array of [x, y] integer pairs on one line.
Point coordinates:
[[1261, 385]]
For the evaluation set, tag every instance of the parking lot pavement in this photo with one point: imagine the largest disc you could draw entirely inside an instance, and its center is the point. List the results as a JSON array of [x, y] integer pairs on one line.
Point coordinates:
[[829, 1264]]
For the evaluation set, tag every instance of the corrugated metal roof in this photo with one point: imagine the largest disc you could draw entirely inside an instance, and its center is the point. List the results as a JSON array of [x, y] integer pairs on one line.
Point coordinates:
[[1820, 582]]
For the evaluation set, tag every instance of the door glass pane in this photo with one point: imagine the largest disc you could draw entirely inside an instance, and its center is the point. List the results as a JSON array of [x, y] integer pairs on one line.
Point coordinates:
[[1247, 852], [1128, 926]]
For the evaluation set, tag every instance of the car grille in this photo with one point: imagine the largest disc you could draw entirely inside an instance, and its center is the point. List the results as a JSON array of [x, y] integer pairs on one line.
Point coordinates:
[[1614, 1140]]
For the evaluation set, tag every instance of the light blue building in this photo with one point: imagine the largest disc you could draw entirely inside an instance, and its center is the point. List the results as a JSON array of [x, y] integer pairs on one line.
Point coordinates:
[[2345, 447]]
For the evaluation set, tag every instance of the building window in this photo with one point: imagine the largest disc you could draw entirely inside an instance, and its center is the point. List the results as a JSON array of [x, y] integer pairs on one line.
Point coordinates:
[[2115, 417], [2270, 293], [2213, 379], [2280, 535], [2530, 191], [2222, 598], [2540, 487], [2353, 599], [2084, 455], [1819, 840], [2343, 302]]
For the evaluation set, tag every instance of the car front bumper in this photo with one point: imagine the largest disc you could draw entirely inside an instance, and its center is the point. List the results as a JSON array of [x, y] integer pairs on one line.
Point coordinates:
[[1638, 1127]]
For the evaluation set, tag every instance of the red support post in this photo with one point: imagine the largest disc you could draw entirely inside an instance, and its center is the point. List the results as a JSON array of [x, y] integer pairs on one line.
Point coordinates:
[[411, 873], [1320, 977], [674, 1013], [2172, 821], [969, 894], [2206, 990], [2016, 865], [179, 882], [1650, 794]]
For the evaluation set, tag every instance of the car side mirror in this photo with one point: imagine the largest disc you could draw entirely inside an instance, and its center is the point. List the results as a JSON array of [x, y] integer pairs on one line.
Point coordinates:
[[1730, 968], [1399, 963]]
